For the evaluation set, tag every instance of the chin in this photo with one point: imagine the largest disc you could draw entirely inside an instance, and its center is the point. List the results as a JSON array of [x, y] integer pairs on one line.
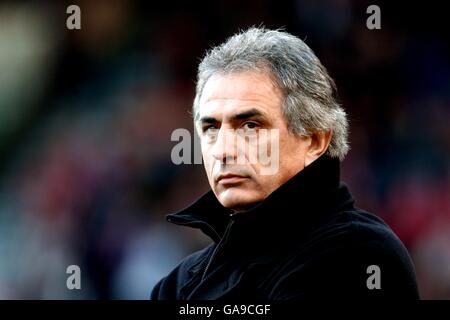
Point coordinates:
[[236, 199]]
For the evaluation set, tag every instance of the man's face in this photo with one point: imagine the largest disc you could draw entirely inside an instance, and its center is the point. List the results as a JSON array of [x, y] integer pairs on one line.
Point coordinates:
[[233, 110]]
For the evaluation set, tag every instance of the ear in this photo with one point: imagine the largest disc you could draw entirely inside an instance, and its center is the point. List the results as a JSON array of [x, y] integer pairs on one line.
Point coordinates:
[[319, 142]]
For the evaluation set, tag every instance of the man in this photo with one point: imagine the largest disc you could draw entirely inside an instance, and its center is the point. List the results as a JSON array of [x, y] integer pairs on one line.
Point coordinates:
[[290, 233]]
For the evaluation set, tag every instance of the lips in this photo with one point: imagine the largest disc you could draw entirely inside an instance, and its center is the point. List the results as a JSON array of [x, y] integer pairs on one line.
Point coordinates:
[[229, 178]]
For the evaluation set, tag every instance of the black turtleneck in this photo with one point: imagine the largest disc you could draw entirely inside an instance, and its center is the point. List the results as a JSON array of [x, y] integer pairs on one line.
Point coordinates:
[[304, 240]]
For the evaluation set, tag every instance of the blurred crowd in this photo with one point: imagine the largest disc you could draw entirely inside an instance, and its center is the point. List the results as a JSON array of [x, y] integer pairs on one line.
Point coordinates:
[[86, 117]]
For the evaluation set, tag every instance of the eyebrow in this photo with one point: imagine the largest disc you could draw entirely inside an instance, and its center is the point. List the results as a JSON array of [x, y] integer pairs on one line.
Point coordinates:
[[252, 113]]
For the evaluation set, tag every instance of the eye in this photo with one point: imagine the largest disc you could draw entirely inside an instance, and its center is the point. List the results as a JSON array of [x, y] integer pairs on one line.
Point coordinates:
[[250, 125], [209, 128]]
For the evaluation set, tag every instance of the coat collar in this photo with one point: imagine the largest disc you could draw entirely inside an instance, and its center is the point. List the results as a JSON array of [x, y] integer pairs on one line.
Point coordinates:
[[297, 205]]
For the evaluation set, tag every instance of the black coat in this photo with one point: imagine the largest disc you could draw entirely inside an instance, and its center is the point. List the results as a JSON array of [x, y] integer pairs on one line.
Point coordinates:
[[306, 240]]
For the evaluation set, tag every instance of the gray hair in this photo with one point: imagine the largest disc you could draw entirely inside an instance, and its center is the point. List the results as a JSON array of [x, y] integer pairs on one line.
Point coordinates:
[[309, 92]]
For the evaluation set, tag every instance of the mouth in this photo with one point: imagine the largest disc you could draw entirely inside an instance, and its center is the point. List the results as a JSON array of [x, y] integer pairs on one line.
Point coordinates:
[[230, 179]]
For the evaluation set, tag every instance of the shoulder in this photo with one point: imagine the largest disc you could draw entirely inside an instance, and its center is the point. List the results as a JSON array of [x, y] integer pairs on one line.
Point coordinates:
[[341, 256], [358, 230], [364, 239], [368, 232]]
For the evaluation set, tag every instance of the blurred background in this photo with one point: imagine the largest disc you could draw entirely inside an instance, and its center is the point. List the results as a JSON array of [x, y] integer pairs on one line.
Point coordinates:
[[86, 116]]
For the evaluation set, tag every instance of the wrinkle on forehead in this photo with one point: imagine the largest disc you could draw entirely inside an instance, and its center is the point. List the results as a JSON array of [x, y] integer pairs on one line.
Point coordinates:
[[238, 89]]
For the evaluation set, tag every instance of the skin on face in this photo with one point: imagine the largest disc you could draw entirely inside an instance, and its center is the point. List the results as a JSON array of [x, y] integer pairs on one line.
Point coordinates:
[[249, 101]]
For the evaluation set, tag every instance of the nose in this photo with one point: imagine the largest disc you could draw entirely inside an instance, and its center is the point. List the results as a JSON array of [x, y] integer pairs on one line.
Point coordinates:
[[224, 149]]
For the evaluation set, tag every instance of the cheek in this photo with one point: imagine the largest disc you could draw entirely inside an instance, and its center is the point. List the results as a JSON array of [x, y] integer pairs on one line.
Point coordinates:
[[259, 149], [206, 153], [291, 146], [261, 186], [208, 161], [292, 157]]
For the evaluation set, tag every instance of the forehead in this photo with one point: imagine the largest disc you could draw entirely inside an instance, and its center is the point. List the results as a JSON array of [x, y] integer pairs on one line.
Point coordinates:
[[230, 93]]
